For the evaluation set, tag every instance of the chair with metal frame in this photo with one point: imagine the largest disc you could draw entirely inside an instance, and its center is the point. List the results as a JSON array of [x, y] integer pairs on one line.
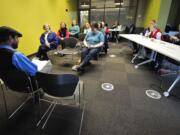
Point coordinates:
[[59, 88], [18, 81]]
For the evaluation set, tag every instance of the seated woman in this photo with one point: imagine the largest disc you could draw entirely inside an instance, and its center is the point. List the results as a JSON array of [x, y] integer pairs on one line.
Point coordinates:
[[101, 28], [62, 33], [87, 28], [93, 43], [74, 29], [105, 31], [48, 42]]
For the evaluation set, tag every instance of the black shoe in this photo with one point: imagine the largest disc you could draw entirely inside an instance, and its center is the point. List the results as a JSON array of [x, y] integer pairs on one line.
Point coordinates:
[[80, 69], [88, 64]]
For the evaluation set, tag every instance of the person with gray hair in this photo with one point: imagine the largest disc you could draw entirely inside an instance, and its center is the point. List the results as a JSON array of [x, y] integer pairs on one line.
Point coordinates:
[[48, 41]]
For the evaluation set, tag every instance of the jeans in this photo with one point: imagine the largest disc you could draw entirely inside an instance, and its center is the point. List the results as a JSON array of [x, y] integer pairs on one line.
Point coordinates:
[[62, 43], [166, 64], [87, 54]]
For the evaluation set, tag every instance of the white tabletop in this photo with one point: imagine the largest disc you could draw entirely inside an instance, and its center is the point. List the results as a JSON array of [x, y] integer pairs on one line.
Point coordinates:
[[168, 49]]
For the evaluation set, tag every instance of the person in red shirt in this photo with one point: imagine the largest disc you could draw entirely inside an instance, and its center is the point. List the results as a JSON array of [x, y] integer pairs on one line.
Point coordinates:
[[154, 31], [62, 33]]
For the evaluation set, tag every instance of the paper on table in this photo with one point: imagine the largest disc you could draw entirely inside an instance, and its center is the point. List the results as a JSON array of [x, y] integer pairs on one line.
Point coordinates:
[[40, 64]]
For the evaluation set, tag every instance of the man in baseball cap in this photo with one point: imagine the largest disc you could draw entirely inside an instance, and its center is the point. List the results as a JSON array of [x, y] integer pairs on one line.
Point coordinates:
[[4, 30], [10, 59], [7, 32]]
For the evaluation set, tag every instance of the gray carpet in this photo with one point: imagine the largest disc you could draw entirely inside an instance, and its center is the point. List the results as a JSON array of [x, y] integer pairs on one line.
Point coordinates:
[[124, 111]]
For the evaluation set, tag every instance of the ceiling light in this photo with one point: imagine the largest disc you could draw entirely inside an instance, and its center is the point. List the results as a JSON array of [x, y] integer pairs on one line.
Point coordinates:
[[84, 5]]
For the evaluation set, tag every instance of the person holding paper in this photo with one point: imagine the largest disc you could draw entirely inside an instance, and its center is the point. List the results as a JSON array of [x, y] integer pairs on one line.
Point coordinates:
[[93, 43]]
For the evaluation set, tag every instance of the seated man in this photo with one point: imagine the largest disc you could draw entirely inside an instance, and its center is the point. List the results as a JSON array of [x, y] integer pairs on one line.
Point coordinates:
[[10, 59], [93, 43], [49, 41]]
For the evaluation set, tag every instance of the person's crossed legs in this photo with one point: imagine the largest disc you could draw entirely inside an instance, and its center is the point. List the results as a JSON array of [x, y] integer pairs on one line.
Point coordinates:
[[42, 52], [86, 55]]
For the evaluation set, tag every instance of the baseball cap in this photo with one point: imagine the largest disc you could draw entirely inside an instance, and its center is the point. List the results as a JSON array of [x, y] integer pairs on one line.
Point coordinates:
[[6, 31]]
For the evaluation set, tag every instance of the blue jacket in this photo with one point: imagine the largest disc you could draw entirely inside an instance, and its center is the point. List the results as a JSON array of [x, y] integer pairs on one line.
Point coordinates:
[[52, 39], [16, 61]]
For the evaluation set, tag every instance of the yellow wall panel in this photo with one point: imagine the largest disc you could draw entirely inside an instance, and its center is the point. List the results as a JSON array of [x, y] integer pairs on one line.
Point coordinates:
[[152, 11], [28, 16]]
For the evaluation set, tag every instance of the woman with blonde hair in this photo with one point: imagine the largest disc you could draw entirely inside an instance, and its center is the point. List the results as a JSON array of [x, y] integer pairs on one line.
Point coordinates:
[[87, 28], [74, 29]]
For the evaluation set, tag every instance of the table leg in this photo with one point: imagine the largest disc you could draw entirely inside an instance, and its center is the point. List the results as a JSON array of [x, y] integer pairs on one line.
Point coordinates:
[[142, 63], [133, 59], [151, 59], [166, 93]]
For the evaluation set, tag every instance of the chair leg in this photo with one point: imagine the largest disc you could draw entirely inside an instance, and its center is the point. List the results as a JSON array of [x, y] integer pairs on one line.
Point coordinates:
[[79, 95], [133, 59], [4, 98], [45, 114], [50, 113], [19, 107], [82, 118], [142, 63]]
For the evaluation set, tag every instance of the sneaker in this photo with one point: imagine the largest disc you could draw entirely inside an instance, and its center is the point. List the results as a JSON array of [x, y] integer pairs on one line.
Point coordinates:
[[75, 68]]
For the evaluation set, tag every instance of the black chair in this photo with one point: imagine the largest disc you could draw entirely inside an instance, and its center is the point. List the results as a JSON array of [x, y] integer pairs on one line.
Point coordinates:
[[70, 42], [135, 46], [131, 29], [70, 49], [18, 81], [82, 36], [70, 46], [138, 30], [81, 39], [59, 88]]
